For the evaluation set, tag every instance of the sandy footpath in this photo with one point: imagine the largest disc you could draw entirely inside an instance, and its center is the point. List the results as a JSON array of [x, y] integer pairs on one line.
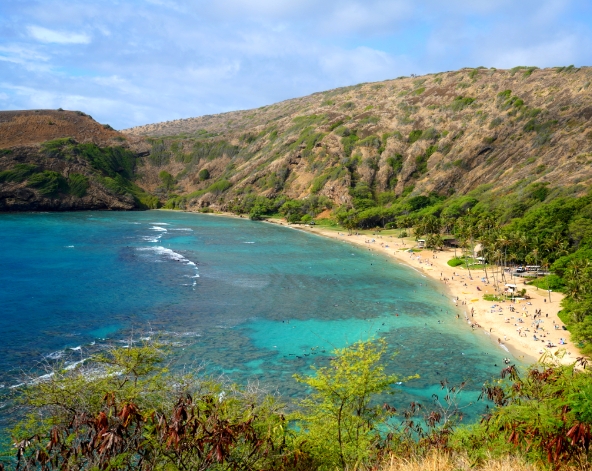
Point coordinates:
[[512, 325]]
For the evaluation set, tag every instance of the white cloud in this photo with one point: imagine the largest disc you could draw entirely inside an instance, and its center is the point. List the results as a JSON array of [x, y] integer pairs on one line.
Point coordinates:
[[152, 60], [547, 54], [361, 64], [58, 37]]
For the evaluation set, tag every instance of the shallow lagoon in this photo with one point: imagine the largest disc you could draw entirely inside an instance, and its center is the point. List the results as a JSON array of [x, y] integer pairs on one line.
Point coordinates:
[[254, 301]]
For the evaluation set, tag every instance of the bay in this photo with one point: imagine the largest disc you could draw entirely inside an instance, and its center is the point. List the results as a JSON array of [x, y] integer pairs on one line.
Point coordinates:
[[253, 301]]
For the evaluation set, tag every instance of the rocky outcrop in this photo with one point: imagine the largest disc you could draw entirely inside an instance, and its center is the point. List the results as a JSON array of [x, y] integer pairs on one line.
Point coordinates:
[[19, 196], [22, 149]]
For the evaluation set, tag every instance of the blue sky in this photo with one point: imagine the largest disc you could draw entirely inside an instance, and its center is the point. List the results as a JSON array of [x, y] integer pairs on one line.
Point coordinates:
[[131, 62]]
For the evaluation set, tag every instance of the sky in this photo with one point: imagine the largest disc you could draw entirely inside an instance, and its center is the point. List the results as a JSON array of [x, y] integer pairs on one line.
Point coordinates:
[[133, 62]]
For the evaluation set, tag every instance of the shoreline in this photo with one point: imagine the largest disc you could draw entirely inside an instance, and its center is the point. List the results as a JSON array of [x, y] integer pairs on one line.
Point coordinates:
[[456, 284]]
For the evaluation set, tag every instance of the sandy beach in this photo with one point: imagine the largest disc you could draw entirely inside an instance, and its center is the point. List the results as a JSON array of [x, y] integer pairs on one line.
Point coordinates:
[[510, 324]]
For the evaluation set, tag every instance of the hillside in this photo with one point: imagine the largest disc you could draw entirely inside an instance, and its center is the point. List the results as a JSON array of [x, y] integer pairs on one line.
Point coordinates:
[[55, 160], [443, 134]]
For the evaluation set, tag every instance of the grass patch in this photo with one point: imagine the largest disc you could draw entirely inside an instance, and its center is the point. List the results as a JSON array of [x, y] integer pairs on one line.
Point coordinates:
[[460, 103], [455, 262]]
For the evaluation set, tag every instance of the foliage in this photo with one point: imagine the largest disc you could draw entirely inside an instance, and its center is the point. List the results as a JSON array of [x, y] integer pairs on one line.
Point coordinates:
[[133, 416], [349, 141], [544, 413], [455, 262], [168, 181], [204, 174], [211, 149], [421, 160], [18, 173], [78, 184], [58, 147], [460, 103], [219, 187], [553, 282], [49, 183], [414, 136], [338, 420], [307, 140]]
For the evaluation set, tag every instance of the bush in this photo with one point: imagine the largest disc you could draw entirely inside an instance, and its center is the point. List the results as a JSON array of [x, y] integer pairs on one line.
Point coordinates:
[[168, 181], [219, 187], [349, 142], [78, 184], [460, 103], [552, 282], [414, 136], [430, 134], [58, 147], [49, 183], [455, 262], [204, 174], [17, 174]]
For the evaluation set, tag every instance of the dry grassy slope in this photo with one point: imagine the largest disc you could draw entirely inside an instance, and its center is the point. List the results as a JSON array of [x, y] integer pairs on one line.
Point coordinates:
[[482, 142], [22, 132], [25, 128]]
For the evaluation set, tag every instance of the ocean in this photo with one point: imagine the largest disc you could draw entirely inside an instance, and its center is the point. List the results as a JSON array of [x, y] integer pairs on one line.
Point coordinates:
[[249, 300]]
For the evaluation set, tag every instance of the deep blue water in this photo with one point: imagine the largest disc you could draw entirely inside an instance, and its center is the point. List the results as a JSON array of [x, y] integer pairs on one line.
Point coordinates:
[[252, 300]]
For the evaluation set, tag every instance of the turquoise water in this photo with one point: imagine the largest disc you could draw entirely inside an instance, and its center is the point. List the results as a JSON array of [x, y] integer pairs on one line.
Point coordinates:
[[252, 300]]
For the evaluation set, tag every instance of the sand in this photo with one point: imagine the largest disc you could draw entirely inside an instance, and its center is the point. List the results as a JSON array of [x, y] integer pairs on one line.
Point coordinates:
[[495, 319]]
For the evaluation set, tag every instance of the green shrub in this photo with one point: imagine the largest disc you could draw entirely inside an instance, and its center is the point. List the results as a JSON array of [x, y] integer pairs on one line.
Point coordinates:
[[414, 136], [455, 262], [460, 103], [495, 122], [407, 190], [204, 174], [17, 174], [219, 187], [552, 282], [370, 120], [168, 181], [505, 95], [430, 134], [49, 183], [77, 184], [58, 147], [395, 162], [421, 161], [370, 141], [341, 419], [210, 150], [349, 142], [110, 161]]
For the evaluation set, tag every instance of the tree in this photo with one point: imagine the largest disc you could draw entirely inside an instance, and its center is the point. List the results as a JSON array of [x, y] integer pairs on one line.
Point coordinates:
[[292, 211], [168, 181], [339, 420]]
